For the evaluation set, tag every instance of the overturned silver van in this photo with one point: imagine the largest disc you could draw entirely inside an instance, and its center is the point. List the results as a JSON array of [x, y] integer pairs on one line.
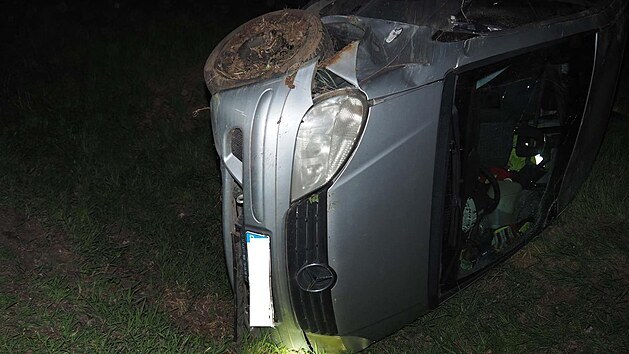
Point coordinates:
[[377, 156]]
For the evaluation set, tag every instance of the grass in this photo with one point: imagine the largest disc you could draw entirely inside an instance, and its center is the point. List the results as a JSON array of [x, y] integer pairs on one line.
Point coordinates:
[[60, 318], [103, 149], [110, 213], [83, 157]]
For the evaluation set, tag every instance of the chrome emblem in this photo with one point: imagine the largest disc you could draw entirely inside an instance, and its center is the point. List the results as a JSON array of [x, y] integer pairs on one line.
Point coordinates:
[[314, 278]]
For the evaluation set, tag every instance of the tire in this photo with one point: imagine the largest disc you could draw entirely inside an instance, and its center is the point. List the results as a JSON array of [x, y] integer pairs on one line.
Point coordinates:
[[269, 45]]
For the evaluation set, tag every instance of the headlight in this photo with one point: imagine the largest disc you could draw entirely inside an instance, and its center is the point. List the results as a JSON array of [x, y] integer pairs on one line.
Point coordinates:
[[327, 134]]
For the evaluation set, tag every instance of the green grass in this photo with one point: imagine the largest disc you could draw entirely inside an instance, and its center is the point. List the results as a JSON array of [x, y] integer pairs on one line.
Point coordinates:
[[81, 159], [100, 150], [57, 317]]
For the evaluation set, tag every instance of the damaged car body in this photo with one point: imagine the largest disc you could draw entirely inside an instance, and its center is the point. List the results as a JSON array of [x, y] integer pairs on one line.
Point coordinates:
[[378, 156]]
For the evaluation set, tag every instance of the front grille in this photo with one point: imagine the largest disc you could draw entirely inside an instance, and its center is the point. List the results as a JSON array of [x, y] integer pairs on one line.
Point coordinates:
[[306, 226], [236, 143]]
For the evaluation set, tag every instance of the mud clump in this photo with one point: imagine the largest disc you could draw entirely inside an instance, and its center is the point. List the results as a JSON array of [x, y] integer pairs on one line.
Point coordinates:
[[272, 44]]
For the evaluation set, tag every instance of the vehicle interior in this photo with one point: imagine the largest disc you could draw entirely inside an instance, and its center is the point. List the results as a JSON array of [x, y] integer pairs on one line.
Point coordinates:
[[514, 126]]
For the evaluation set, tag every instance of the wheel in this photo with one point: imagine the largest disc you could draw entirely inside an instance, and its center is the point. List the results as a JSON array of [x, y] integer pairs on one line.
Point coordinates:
[[269, 45]]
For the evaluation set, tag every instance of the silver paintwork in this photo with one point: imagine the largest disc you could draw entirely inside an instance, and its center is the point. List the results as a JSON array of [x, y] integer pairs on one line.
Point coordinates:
[[379, 210], [379, 205]]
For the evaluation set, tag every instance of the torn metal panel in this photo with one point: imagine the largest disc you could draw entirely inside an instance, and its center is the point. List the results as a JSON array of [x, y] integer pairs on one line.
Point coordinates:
[[343, 63], [388, 45]]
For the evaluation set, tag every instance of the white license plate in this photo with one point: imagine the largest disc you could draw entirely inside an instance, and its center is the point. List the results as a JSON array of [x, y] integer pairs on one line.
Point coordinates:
[[259, 261]]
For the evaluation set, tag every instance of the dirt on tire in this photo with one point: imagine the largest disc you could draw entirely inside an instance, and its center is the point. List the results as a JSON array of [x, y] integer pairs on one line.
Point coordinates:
[[272, 44]]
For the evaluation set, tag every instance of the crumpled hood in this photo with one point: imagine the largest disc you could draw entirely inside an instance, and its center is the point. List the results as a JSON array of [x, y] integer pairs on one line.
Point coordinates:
[[415, 55]]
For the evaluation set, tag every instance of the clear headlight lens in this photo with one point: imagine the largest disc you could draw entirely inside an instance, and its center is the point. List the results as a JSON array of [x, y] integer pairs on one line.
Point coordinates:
[[327, 134]]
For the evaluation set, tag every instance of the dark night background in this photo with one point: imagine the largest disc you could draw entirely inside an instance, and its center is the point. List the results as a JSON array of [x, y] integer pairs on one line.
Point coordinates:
[[110, 234]]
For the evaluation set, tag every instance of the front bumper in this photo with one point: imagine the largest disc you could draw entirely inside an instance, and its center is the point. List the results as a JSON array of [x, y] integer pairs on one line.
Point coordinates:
[[262, 117]]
